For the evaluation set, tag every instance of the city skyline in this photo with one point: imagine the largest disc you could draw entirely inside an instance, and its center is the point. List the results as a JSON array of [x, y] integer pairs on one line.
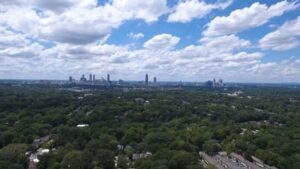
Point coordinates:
[[108, 78], [174, 40]]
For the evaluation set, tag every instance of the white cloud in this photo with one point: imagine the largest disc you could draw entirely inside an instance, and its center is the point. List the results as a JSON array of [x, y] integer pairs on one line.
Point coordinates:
[[162, 41], [207, 62], [284, 38], [76, 21], [244, 56], [9, 39], [242, 19], [17, 45], [32, 50], [103, 51], [187, 10], [225, 43], [54, 5], [20, 19], [77, 26], [136, 36], [149, 10]]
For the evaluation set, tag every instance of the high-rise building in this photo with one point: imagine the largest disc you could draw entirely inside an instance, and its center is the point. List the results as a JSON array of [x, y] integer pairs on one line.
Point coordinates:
[[83, 79], [108, 78], [154, 80], [94, 77], [220, 83], [91, 77], [70, 79], [146, 79]]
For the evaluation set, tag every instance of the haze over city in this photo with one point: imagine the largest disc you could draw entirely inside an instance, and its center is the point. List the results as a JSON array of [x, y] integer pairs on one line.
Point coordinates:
[[188, 40]]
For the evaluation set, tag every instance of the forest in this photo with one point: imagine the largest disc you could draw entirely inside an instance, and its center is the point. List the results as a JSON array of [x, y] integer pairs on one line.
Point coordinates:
[[146, 128]]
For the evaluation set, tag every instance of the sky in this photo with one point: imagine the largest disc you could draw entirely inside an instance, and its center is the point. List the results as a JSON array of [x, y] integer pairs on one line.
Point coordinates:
[[187, 40]]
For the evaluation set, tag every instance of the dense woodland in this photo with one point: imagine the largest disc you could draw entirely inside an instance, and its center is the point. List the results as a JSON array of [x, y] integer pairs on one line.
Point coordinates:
[[173, 125]]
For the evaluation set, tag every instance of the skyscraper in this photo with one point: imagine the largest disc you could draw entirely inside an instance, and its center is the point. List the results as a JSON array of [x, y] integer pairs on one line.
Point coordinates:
[[214, 83], [91, 77], [154, 80], [220, 83], [70, 79], [108, 78], [94, 77], [83, 79], [146, 79]]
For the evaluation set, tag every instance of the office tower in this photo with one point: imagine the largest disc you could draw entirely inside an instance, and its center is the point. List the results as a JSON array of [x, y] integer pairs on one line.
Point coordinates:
[[154, 80], [70, 79], [94, 77], [91, 77], [83, 79], [220, 83], [214, 83], [146, 79], [108, 78]]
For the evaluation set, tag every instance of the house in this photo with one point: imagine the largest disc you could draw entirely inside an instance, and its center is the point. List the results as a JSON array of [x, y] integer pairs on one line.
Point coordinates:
[[38, 142], [120, 147], [82, 125], [145, 155], [135, 156], [42, 151]]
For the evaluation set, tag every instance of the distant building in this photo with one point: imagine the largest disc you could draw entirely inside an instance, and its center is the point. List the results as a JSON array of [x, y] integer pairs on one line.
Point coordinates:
[[70, 79], [94, 77], [83, 79], [220, 83], [217, 84], [209, 84], [214, 83], [146, 79], [91, 77], [108, 78], [154, 80]]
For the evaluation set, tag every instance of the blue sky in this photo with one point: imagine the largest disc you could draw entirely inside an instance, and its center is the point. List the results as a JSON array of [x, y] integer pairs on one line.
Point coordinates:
[[189, 40]]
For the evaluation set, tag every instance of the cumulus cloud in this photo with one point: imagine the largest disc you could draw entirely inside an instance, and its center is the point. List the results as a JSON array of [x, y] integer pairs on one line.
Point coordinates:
[[149, 10], [225, 43], [202, 61], [242, 19], [136, 36], [17, 45], [20, 19], [284, 38], [76, 27], [76, 21], [244, 56], [162, 41], [53, 5], [32, 50], [187, 10], [9, 39]]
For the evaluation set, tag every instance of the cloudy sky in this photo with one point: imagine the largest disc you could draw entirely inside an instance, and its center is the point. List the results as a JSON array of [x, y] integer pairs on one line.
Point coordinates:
[[189, 40]]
